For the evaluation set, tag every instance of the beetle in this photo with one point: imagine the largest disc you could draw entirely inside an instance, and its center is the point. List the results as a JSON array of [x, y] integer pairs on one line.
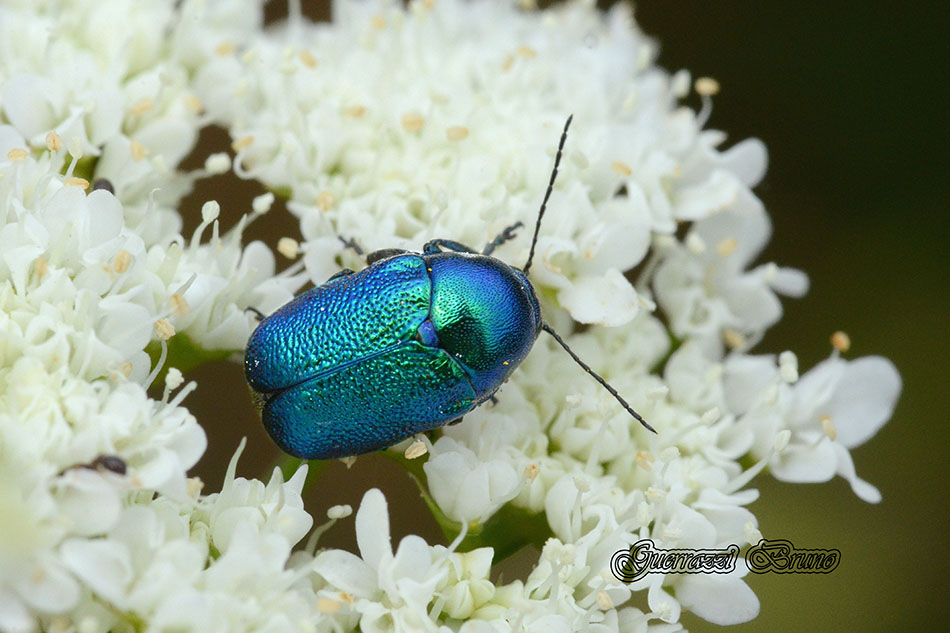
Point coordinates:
[[410, 343], [111, 463]]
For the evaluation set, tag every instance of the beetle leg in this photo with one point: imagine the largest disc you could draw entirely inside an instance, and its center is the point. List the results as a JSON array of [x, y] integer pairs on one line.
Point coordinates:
[[454, 422], [351, 244], [501, 238], [493, 399], [436, 246], [383, 253], [373, 257], [342, 273], [257, 313]]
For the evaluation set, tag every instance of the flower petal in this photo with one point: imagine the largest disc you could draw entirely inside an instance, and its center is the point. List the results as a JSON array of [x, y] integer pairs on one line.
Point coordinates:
[[48, 587], [863, 489], [348, 572], [607, 300], [800, 463], [864, 399], [26, 103], [14, 617], [747, 159], [372, 528], [665, 606], [723, 599], [104, 565]]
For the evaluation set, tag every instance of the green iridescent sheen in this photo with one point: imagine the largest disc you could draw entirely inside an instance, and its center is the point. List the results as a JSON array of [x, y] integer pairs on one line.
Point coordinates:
[[485, 314], [406, 345]]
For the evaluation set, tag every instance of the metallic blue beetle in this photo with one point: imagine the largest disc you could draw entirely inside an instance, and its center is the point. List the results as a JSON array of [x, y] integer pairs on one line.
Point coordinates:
[[410, 343]]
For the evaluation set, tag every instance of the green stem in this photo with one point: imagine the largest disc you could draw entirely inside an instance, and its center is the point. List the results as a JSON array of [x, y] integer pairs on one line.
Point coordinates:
[[183, 354], [289, 464], [85, 167]]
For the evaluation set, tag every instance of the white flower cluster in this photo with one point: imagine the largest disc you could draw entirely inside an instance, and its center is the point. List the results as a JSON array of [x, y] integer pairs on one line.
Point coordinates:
[[392, 125], [398, 125], [426, 588], [105, 79], [88, 278]]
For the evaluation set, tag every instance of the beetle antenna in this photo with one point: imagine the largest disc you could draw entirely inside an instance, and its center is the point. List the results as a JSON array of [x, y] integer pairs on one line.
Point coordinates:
[[547, 328], [547, 194]]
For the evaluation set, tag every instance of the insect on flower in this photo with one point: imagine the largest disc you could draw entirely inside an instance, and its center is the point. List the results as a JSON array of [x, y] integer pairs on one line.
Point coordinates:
[[111, 463], [412, 342]]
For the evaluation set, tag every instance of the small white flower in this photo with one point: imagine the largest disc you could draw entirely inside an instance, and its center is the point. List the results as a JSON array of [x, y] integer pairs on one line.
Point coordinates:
[[709, 295], [836, 406], [466, 488], [805, 430], [109, 91], [392, 590], [467, 588], [276, 507]]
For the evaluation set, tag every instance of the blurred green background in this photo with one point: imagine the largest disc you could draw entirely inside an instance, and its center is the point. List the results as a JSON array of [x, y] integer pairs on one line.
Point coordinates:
[[848, 98]]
